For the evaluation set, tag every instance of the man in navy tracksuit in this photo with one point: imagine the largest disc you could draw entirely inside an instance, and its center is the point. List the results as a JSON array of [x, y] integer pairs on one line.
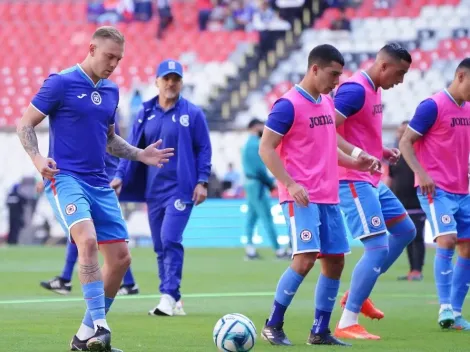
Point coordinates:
[[171, 191]]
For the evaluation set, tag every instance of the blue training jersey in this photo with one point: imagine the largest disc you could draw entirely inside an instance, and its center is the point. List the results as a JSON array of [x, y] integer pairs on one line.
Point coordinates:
[[80, 113]]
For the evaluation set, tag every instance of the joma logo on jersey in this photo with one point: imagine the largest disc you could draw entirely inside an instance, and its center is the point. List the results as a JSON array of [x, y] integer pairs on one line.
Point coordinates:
[[378, 109], [321, 120], [459, 121]]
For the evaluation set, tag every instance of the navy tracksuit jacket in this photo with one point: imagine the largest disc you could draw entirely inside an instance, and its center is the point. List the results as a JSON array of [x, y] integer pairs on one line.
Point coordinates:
[[168, 191]]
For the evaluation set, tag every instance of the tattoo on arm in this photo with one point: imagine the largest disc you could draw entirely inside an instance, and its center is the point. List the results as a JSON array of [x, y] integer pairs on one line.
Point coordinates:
[[120, 148], [89, 273], [29, 140]]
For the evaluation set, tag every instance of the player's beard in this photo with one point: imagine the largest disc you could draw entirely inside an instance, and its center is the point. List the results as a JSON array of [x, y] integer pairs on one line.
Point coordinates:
[[170, 94]]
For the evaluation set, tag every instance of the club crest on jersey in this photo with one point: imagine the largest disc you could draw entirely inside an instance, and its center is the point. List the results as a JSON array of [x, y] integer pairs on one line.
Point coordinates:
[[70, 209], [179, 205], [375, 221], [96, 98], [184, 120], [305, 235], [446, 219]]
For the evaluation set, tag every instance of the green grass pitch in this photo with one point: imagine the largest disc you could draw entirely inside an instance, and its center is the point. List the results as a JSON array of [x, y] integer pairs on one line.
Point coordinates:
[[215, 282]]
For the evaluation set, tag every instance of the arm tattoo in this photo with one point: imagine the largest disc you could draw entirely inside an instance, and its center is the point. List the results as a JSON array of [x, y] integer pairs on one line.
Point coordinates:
[[29, 140], [89, 273], [120, 148]]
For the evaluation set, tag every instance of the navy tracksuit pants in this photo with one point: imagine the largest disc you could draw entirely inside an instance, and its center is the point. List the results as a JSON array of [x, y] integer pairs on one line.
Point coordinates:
[[168, 219]]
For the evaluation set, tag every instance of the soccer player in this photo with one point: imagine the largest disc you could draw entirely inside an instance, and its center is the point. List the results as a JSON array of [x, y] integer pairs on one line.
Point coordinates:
[[170, 193], [257, 184], [369, 206], [62, 284], [81, 104], [436, 145], [299, 147]]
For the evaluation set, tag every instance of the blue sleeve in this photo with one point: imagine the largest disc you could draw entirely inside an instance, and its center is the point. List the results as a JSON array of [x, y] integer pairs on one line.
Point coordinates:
[[202, 147], [281, 117], [349, 99], [113, 118], [50, 95], [424, 117], [121, 169]]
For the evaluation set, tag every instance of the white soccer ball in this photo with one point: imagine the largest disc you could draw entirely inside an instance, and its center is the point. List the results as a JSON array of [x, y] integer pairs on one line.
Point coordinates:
[[234, 333]]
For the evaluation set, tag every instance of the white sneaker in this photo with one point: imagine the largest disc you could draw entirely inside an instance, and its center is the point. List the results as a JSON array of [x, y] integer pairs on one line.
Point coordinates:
[[166, 306], [178, 310]]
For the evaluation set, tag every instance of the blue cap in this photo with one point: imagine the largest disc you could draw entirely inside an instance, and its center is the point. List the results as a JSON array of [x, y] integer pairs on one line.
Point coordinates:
[[170, 66]]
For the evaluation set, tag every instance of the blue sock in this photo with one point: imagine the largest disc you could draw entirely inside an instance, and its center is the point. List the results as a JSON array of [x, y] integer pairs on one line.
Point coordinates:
[[325, 298], [400, 237], [443, 273], [367, 271], [129, 278], [70, 260], [108, 302], [460, 282], [285, 291], [94, 298], [88, 321]]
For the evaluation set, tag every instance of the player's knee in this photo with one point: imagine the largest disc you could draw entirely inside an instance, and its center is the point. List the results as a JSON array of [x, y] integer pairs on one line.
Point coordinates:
[[87, 246], [125, 261], [377, 256], [464, 249], [447, 241], [411, 234], [303, 262], [332, 266]]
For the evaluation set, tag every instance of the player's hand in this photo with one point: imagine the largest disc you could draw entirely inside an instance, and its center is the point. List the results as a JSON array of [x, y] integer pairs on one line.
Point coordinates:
[[116, 184], [299, 194], [366, 162], [392, 155], [47, 167], [154, 156], [426, 184], [199, 194]]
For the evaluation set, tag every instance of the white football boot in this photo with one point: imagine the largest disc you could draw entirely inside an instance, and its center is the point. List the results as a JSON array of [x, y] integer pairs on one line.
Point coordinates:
[[166, 306]]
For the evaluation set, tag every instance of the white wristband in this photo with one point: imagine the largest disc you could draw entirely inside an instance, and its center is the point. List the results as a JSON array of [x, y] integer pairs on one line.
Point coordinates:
[[355, 153]]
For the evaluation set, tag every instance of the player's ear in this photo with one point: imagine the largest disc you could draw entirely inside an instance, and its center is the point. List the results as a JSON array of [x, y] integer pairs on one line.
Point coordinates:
[[314, 69], [92, 49], [461, 76], [383, 66]]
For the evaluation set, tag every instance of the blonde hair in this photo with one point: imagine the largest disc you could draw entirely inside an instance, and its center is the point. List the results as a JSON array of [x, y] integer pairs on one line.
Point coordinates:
[[108, 32]]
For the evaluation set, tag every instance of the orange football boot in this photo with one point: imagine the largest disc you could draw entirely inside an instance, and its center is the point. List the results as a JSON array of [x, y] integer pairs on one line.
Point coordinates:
[[355, 331], [368, 308]]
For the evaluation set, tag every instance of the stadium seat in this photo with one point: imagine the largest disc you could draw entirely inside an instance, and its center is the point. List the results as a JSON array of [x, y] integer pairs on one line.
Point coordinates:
[[49, 24]]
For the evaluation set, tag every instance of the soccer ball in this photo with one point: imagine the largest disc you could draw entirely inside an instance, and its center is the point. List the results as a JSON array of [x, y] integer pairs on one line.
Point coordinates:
[[234, 333]]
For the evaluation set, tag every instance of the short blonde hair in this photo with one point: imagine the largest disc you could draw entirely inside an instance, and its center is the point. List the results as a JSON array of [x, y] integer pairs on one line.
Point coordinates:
[[108, 32]]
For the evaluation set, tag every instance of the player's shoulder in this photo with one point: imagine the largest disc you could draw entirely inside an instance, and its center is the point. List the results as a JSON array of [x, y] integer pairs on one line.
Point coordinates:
[[351, 88], [68, 74], [283, 104], [429, 103]]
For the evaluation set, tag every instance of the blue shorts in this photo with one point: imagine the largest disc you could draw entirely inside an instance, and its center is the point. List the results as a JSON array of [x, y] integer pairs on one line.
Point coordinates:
[[316, 228], [368, 209], [448, 213], [74, 201]]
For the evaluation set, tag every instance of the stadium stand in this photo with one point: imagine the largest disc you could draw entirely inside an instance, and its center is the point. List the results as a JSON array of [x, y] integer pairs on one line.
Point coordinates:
[[51, 23], [434, 31]]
